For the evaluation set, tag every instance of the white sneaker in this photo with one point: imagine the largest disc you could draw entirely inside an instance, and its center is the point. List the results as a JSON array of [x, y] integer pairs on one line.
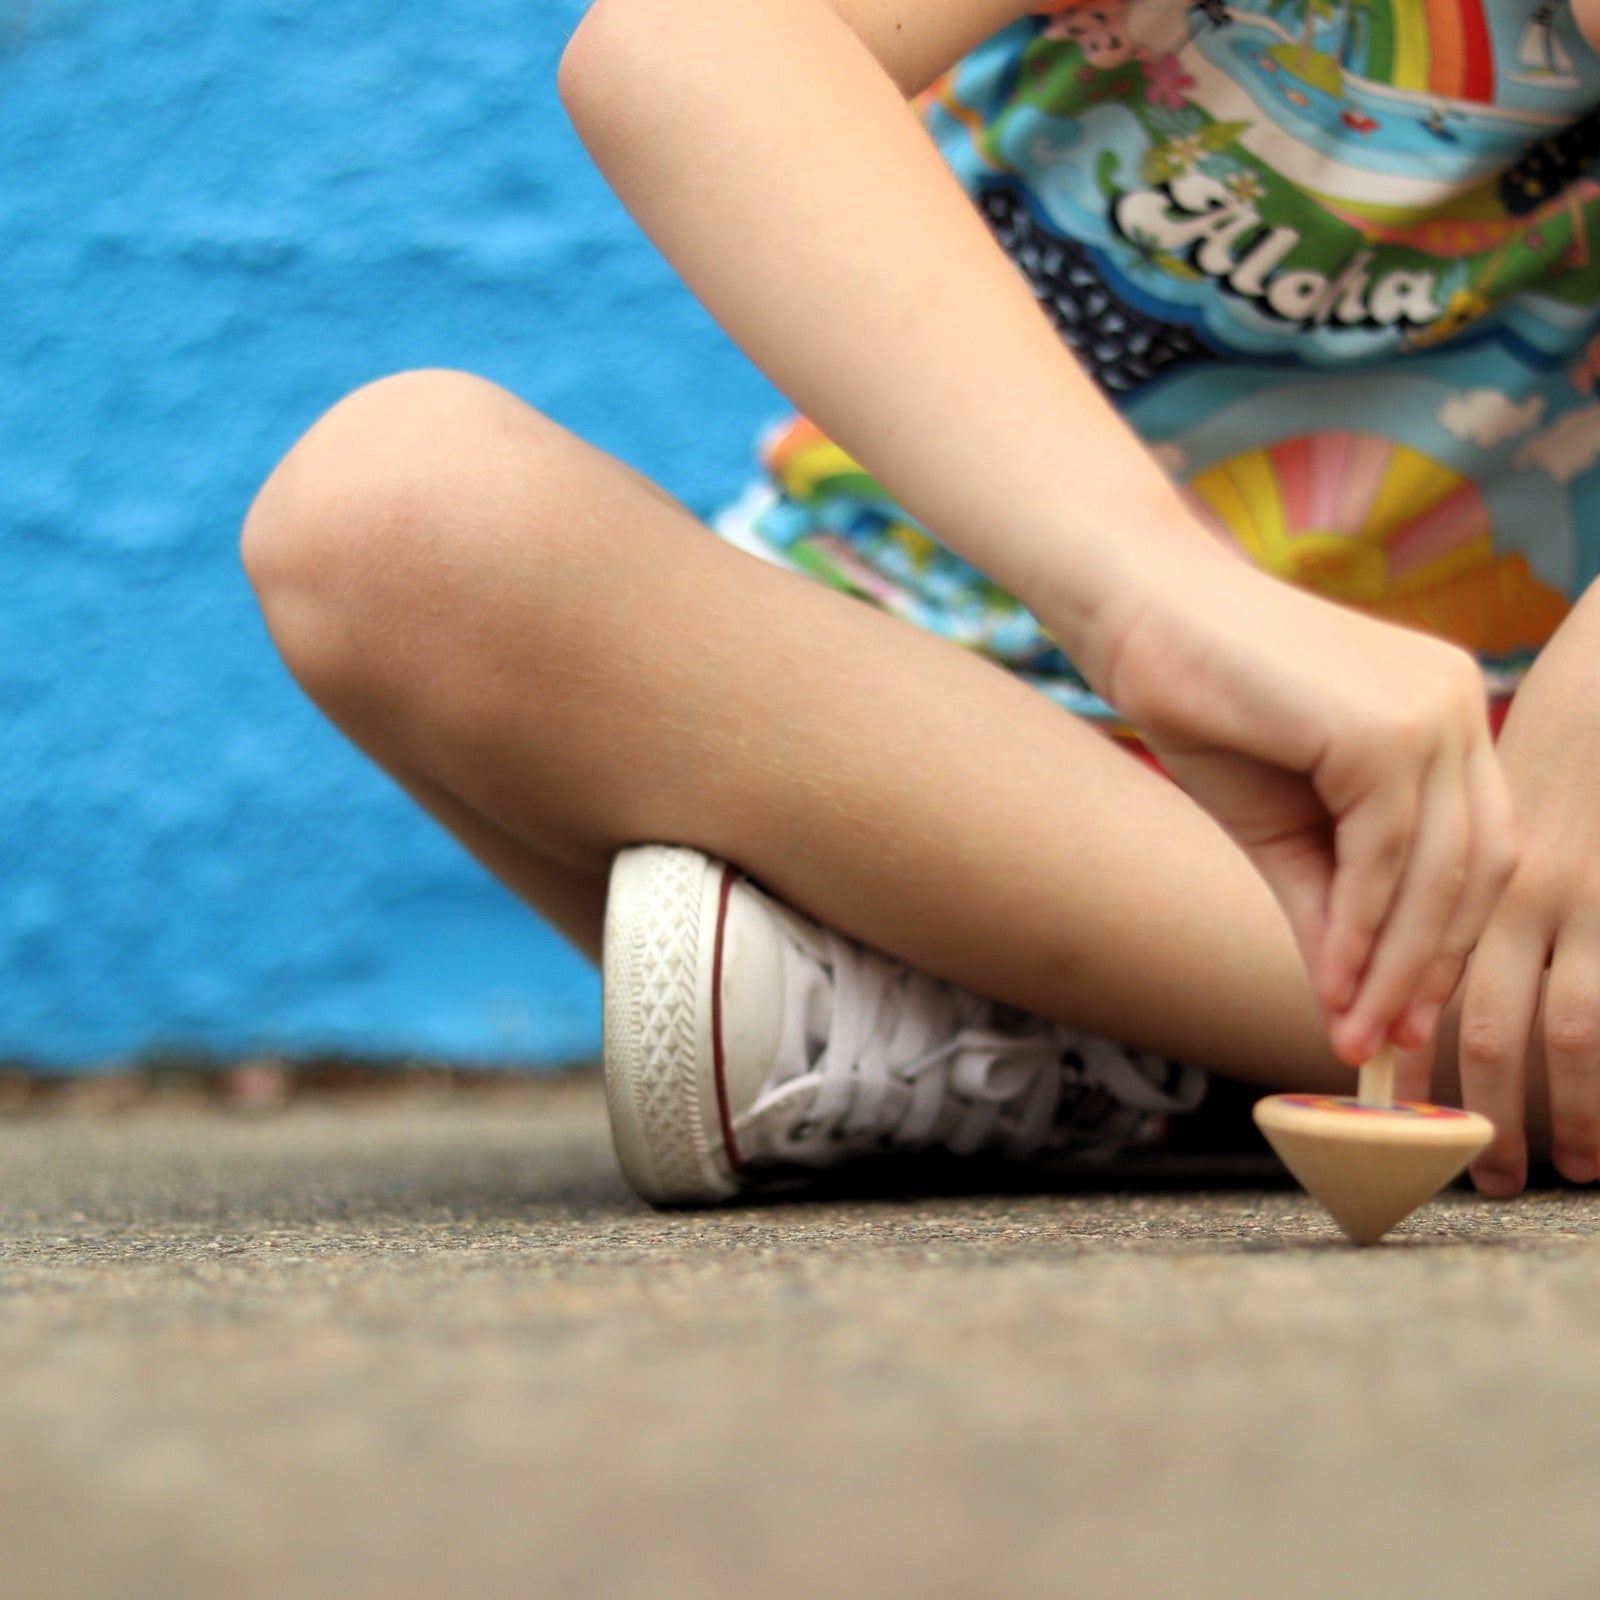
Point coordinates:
[[743, 1041]]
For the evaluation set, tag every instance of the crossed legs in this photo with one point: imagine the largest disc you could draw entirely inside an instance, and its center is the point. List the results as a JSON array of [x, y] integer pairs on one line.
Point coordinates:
[[557, 659]]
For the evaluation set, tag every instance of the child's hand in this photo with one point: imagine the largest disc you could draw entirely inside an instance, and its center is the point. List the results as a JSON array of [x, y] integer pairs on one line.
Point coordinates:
[[1350, 759], [1549, 916]]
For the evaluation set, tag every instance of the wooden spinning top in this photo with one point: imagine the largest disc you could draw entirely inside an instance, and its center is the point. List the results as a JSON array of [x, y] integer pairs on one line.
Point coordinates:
[[1370, 1161]]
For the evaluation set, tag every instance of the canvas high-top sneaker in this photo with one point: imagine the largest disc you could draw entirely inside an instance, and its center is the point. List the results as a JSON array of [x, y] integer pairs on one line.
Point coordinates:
[[745, 1041]]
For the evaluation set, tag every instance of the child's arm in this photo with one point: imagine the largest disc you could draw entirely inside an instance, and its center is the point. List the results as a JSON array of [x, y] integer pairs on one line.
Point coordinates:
[[773, 159], [770, 154]]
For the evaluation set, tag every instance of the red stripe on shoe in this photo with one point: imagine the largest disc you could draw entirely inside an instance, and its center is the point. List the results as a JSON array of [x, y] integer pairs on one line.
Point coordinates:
[[728, 876]]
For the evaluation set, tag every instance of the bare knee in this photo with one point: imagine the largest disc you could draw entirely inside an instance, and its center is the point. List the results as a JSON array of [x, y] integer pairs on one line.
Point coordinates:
[[345, 541]]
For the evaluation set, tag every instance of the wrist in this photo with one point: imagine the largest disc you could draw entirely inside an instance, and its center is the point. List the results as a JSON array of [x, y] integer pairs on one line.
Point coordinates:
[[1098, 590]]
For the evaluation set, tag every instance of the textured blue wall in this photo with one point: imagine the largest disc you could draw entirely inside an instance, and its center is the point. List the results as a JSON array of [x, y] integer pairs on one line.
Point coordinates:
[[217, 220]]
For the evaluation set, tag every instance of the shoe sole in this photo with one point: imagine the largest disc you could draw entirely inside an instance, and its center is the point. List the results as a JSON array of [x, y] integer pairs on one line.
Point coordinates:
[[664, 909]]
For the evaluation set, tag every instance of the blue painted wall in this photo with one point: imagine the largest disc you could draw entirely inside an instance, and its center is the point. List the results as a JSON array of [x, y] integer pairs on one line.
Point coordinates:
[[217, 219]]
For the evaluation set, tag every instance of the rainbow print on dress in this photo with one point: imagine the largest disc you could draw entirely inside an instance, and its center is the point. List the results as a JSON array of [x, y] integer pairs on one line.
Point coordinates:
[[1362, 519], [1432, 47]]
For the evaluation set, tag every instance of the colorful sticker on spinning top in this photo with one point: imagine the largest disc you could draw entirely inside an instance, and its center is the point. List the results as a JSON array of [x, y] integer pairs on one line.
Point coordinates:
[[1348, 1105]]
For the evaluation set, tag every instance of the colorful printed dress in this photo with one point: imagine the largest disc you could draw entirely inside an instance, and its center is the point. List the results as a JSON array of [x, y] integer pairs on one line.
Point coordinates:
[[1336, 261]]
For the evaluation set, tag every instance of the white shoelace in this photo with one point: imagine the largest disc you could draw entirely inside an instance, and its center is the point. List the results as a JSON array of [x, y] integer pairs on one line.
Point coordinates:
[[908, 1064]]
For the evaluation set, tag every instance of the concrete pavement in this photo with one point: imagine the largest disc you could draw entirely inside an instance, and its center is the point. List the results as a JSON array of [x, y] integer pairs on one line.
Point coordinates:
[[426, 1344]]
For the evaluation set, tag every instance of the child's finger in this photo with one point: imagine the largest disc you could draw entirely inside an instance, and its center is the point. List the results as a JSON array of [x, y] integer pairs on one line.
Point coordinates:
[[1372, 843], [1572, 1051], [1423, 908], [1413, 1071], [1489, 867], [1497, 1012]]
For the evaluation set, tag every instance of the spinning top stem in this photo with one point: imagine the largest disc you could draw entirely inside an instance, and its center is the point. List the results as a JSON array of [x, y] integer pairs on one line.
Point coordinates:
[[1375, 1086]]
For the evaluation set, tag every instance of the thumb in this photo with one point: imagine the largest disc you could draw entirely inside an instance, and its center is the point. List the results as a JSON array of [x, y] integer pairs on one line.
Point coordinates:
[[1413, 1071], [1282, 826], [1298, 869]]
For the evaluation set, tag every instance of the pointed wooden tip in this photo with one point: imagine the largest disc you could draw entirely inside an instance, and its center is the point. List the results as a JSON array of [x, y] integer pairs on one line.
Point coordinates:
[[1370, 1166]]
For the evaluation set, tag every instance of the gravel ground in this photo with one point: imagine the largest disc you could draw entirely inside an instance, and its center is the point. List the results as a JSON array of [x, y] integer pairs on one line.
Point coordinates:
[[424, 1343]]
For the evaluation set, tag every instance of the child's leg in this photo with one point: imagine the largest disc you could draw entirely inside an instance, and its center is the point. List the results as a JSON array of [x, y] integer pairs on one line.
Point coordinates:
[[572, 898], [558, 659]]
